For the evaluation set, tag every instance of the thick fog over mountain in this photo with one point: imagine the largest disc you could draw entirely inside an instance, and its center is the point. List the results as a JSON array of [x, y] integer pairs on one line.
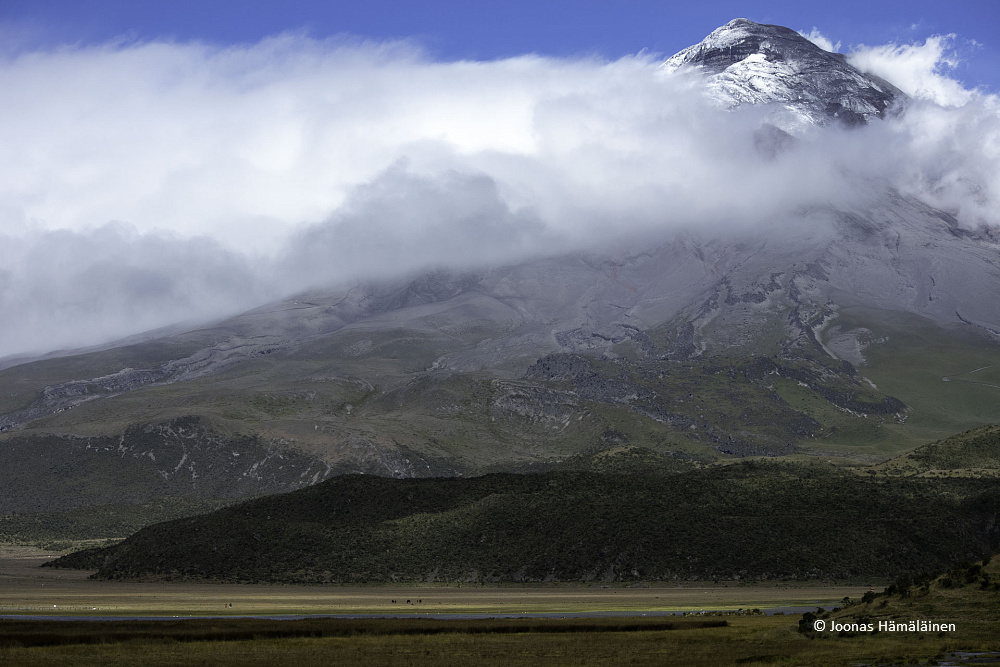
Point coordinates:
[[147, 184]]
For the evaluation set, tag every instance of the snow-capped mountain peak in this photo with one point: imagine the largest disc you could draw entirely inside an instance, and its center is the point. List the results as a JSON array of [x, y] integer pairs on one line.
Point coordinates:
[[753, 63]]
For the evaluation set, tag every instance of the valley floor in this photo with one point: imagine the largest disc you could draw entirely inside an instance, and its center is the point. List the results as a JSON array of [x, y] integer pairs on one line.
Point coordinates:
[[31, 590], [401, 637]]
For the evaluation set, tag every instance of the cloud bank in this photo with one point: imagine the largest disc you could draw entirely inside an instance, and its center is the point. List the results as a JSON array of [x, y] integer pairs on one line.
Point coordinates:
[[919, 70], [150, 183]]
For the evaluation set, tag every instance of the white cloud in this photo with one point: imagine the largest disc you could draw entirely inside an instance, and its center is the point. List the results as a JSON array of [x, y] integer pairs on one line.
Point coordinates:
[[950, 158], [245, 173], [919, 70], [70, 288], [821, 40]]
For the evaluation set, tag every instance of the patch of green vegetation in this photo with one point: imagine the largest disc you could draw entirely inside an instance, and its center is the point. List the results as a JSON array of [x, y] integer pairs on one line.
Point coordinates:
[[964, 598], [734, 406], [628, 460], [20, 385], [617, 425], [909, 357], [51, 529], [978, 448], [276, 405], [842, 431], [973, 453]]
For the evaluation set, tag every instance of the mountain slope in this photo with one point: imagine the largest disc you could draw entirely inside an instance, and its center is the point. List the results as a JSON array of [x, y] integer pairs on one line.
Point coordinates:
[[827, 332]]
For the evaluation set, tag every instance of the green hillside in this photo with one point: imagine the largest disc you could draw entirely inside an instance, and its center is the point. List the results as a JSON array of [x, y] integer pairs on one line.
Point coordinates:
[[966, 595], [753, 520]]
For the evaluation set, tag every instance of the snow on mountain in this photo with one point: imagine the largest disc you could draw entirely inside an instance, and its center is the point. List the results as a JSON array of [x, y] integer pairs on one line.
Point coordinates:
[[752, 63]]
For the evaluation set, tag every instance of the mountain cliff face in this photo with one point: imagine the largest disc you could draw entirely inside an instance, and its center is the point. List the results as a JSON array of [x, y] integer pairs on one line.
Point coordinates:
[[751, 63], [828, 336]]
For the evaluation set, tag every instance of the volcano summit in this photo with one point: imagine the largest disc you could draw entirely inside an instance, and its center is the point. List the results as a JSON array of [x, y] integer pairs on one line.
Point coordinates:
[[750, 63]]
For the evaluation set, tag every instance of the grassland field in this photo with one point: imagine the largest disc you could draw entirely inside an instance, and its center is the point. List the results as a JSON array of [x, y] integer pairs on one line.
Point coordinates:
[[32, 590], [397, 635]]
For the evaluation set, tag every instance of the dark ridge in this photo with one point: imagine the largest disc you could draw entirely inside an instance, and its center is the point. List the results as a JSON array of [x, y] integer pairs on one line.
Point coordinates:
[[751, 520]]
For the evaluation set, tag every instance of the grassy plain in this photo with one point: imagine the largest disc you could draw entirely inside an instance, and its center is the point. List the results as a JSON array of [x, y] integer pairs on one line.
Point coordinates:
[[741, 641], [723, 639], [29, 589], [708, 641]]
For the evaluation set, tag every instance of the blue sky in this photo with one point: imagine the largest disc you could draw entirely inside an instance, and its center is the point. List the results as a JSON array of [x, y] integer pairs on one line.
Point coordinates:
[[450, 29]]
